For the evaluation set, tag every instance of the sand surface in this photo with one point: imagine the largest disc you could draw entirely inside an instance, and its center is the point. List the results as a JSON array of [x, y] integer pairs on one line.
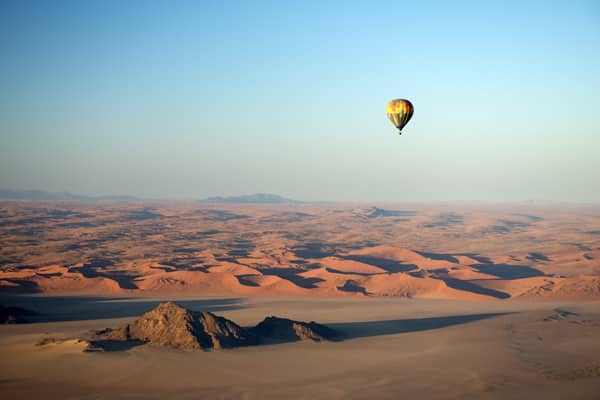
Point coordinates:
[[491, 252], [437, 349]]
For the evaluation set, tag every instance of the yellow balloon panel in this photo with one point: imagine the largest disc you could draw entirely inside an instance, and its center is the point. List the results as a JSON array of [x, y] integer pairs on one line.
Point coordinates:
[[399, 111]]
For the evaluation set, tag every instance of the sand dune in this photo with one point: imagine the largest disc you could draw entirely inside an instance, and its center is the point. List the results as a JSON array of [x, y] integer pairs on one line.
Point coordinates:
[[549, 288], [350, 266], [404, 285], [469, 252], [234, 269], [60, 279]]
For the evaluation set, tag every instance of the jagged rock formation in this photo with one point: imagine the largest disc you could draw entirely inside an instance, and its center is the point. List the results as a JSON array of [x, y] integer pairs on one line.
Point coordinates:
[[287, 330], [171, 325]]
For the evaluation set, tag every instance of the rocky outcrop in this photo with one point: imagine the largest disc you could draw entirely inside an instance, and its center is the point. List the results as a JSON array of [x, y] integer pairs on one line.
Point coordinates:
[[170, 325], [287, 330]]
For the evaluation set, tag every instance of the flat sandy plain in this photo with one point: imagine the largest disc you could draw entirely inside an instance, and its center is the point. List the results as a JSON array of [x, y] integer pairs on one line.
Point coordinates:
[[393, 348], [440, 302]]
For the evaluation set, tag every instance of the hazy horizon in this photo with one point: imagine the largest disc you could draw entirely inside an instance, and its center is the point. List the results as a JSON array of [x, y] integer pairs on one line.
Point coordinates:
[[197, 99], [300, 201]]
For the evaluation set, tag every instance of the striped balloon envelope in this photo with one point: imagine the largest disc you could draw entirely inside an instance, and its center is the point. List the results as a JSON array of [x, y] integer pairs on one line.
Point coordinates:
[[399, 111]]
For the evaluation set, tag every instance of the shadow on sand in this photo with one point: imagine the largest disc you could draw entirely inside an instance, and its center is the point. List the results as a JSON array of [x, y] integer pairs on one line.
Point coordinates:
[[114, 345], [65, 308], [353, 330], [341, 331]]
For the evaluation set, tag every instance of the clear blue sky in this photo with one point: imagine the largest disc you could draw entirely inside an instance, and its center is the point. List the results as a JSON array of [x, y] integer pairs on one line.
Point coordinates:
[[185, 100]]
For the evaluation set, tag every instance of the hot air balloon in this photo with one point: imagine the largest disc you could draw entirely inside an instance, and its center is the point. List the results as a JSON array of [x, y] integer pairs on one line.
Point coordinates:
[[399, 111]]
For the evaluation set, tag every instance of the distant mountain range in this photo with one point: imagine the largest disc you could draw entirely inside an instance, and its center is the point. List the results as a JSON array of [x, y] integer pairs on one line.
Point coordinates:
[[39, 195], [257, 198], [57, 196]]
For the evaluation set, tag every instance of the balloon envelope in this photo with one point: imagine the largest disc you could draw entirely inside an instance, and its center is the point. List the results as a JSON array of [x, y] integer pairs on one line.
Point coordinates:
[[399, 111]]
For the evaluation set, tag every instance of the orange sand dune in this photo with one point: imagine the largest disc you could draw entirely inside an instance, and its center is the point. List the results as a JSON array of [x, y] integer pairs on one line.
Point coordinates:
[[455, 251], [404, 285], [403, 255], [200, 283], [330, 283], [574, 288], [234, 269], [52, 279]]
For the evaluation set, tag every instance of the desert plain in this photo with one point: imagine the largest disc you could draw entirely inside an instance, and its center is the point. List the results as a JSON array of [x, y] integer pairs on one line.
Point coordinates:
[[431, 301]]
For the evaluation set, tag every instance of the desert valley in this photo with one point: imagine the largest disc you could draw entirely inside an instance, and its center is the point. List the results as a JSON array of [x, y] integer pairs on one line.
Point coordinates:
[[327, 250], [318, 200], [490, 302]]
